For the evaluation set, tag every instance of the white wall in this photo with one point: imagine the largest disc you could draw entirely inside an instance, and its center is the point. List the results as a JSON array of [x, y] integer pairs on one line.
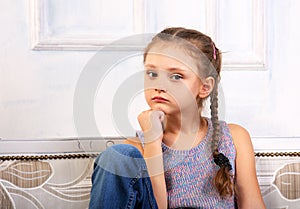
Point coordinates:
[[37, 86]]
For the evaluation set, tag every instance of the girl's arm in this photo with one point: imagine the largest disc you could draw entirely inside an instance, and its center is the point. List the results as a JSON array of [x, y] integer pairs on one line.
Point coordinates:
[[150, 122], [248, 191], [154, 161], [153, 157]]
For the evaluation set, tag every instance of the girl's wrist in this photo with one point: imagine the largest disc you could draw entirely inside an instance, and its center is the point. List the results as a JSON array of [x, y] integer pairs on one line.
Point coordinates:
[[153, 157], [151, 137], [152, 149]]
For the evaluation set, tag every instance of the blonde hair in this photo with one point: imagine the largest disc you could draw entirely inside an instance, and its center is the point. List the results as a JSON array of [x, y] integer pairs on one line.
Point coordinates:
[[203, 49]]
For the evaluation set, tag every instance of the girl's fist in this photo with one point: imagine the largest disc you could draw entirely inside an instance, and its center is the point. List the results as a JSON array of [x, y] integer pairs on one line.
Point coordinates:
[[151, 124]]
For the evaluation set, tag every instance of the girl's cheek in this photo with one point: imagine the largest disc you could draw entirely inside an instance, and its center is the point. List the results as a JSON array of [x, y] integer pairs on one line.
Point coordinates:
[[147, 94], [182, 94]]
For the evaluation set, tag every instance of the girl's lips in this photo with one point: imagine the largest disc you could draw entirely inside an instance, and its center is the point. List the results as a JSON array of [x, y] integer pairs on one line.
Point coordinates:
[[159, 99]]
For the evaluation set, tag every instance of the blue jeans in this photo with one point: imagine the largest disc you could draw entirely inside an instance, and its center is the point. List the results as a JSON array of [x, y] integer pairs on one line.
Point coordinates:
[[120, 180]]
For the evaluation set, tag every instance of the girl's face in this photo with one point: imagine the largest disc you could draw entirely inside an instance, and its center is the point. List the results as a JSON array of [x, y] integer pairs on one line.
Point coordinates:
[[171, 85]]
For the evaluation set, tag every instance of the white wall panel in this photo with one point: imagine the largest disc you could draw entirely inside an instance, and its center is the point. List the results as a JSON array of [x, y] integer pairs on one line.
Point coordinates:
[[240, 33], [74, 24], [161, 14]]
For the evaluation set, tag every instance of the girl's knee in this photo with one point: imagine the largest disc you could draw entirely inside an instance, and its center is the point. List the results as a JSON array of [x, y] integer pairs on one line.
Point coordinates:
[[121, 159], [126, 150], [120, 150]]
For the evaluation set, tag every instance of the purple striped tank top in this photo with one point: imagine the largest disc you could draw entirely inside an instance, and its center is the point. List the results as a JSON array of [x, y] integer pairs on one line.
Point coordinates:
[[189, 173]]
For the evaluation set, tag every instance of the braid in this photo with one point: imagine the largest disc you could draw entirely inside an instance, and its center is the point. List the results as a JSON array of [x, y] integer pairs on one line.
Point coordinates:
[[222, 179], [215, 120]]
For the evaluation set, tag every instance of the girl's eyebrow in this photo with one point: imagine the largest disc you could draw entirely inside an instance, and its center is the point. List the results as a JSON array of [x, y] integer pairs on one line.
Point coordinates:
[[170, 69], [150, 66], [176, 69]]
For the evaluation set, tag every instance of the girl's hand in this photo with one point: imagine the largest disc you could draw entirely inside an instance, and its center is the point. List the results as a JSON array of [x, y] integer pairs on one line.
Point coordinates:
[[151, 124]]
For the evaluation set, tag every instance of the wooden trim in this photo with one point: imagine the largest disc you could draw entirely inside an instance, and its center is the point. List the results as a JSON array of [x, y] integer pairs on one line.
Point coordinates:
[[94, 155], [39, 40], [48, 157], [277, 154]]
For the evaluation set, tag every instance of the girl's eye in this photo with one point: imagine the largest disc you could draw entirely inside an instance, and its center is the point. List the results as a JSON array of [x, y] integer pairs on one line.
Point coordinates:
[[176, 77], [152, 74]]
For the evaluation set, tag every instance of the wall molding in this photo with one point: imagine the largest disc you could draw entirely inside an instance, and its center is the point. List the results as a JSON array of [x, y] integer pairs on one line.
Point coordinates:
[[254, 60], [56, 145], [276, 144], [40, 39], [96, 144]]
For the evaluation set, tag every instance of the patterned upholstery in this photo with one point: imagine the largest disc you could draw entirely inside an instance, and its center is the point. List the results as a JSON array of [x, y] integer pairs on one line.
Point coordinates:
[[64, 182], [60, 183]]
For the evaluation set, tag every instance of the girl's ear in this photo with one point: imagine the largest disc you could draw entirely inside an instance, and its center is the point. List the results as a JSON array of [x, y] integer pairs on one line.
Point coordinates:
[[206, 87]]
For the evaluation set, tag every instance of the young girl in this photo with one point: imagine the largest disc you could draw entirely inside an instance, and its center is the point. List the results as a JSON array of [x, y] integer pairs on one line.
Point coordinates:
[[180, 159]]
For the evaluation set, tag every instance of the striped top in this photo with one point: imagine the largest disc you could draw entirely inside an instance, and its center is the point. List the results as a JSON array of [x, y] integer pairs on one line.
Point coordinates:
[[189, 173]]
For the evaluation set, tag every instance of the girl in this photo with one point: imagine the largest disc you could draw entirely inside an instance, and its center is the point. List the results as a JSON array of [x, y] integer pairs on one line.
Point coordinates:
[[180, 159]]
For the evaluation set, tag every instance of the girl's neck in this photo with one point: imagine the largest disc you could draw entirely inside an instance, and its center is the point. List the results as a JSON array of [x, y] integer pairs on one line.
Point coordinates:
[[184, 133]]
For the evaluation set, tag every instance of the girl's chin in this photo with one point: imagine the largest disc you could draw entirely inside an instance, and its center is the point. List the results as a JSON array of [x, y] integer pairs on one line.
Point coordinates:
[[166, 110], [159, 107]]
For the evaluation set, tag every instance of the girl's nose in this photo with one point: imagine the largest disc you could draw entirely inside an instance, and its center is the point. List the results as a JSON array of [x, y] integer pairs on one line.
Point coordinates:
[[159, 90]]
